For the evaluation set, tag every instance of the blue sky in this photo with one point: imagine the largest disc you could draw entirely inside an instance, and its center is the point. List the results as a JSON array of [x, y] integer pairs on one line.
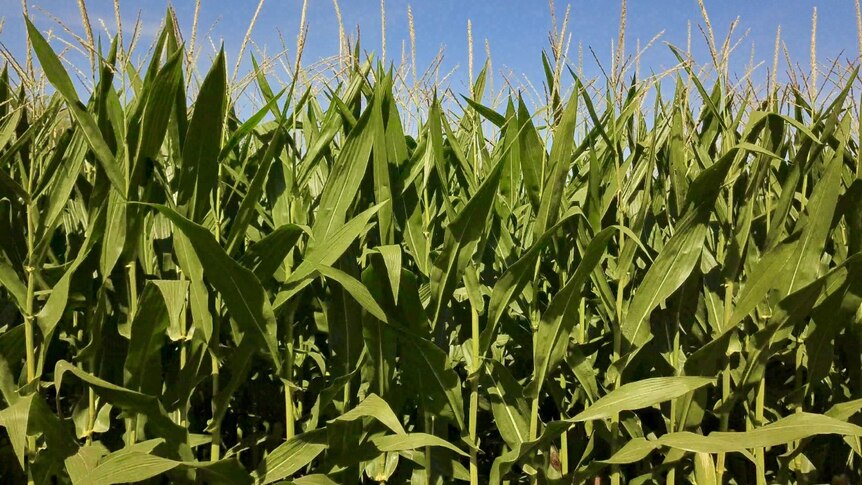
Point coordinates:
[[517, 30]]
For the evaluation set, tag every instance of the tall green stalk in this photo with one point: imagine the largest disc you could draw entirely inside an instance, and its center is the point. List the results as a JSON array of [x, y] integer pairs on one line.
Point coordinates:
[[215, 434], [726, 391], [30, 316], [131, 273], [618, 308], [429, 461], [672, 423], [182, 412], [617, 354], [289, 410], [474, 396], [760, 453]]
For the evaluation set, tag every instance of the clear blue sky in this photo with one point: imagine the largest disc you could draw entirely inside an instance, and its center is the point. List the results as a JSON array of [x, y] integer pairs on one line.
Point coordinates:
[[516, 29]]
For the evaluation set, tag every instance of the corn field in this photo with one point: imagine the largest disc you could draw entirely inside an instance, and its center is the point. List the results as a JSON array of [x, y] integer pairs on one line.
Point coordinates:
[[641, 280]]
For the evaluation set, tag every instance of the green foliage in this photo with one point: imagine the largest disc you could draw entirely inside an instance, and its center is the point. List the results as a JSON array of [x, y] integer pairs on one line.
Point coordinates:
[[320, 295]]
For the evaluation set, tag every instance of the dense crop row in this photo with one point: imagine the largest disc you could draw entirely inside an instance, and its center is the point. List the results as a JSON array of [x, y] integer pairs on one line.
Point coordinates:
[[624, 284]]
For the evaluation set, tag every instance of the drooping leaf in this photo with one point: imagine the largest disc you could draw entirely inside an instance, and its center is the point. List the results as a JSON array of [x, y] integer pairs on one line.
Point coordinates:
[[290, 457], [641, 394], [243, 293]]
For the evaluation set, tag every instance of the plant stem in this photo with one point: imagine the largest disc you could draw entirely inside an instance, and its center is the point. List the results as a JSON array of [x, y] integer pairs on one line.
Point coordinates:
[[131, 272], [618, 320], [534, 404], [858, 152], [615, 431], [582, 328], [429, 428], [618, 343], [215, 445], [91, 414], [183, 410], [534, 418], [671, 474], [30, 317], [91, 403], [474, 397], [132, 269], [759, 453], [534, 431], [798, 404], [725, 380], [289, 418], [564, 453]]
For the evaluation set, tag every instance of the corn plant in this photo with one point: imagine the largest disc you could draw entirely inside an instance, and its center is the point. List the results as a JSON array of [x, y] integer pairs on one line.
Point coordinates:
[[622, 285]]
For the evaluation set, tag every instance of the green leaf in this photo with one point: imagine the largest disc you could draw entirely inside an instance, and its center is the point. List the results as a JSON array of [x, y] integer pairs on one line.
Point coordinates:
[[641, 394], [247, 208], [374, 407], [504, 463], [792, 428], [147, 337], [356, 289], [137, 463], [559, 319], [635, 450], [10, 281], [680, 255], [198, 293], [392, 260], [244, 296], [560, 165], [198, 174], [704, 469], [65, 177], [315, 479], [50, 314], [412, 441], [266, 255], [31, 416], [532, 156], [290, 457], [462, 236], [250, 124], [431, 375], [324, 253], [128, 400], [515, 278], [160, 103], [380, 165], [346, 176], [174, 295], [115, 234], [511, 415], [60, 80], [795, 262], [487, 112], [671, 268]]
